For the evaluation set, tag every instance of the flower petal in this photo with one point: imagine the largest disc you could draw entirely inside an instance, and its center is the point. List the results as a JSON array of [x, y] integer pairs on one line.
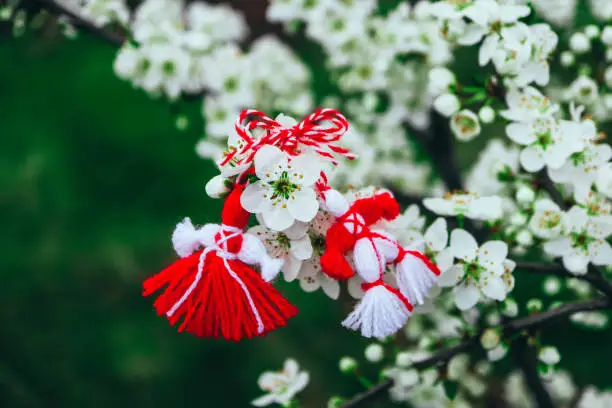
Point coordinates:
[[486, 208], [304, 205], [330, 287], [277, 218], [291, 268], [297, 230], [298, 384], [291, 368], [252, 198], [310, 283], [601, 253], [268, 380], [492, 254], [452, 276], [558, 247], [305, 169], [463, 245], [444, 259], [531, 158], [436, 235], [302, 248], [487, 48], [354, 287], [493, 286], [520, 133], [269, 162], [466, 296], [264, 400], [576, 262]]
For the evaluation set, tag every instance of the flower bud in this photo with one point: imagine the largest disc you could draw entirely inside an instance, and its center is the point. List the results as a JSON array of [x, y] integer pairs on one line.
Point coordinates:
[[591, 31], [580, 43], [335, 402], [510, 308], [549, 355], [525, 194], [490, 339], [447, 104], [465, 125], [524, 238], [407, 378], [486, 114], [534, 305], [518, 219], [347, 365], [216, 187], [440, 79], [402, 359], [552, 286], [374, 353], [606, 36], [567, 58], [182, 122]]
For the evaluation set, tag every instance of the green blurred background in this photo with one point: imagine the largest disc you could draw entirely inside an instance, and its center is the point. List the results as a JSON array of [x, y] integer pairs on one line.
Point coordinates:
[[93, 177]]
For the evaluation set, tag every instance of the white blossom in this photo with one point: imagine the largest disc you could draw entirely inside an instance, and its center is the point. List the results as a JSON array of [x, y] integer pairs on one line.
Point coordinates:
[[478, 271], [547, 219], [583, 241], [284, 192], [292, 245], [281, 386]]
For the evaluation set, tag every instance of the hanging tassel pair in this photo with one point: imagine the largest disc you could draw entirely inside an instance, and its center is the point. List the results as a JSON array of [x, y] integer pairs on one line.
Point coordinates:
[[384, 309], [214, 290]]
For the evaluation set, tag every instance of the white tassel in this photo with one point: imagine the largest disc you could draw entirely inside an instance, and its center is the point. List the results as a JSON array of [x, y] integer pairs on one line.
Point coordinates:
[[253, 252], [414, 279], [186, 238], [378, 314]]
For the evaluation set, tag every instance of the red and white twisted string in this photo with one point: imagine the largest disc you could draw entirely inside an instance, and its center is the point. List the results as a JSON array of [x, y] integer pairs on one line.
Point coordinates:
[[319, 130]]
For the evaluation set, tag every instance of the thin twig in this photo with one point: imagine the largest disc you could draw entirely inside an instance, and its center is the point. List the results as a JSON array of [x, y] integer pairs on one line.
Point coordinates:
[[78, 21], [529, 323]]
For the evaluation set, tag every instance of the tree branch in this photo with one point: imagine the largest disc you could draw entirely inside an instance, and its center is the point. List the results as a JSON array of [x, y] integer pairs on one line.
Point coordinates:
[[529, 323], [593, 276], [527, 359]]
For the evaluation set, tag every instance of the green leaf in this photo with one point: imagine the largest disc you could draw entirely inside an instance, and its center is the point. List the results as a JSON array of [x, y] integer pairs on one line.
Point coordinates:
[[450, 389]]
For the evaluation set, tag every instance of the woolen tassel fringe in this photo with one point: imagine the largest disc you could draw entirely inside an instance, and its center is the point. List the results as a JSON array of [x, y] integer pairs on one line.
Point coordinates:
[[415, 274], [380, 313], [218, 306]]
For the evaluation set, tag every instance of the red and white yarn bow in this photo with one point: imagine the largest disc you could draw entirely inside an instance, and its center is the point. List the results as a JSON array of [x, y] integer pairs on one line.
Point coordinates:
[[319, 130]]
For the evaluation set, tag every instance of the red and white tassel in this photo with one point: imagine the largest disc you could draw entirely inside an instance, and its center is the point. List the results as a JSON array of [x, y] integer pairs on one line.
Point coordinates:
[[212, 289]]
